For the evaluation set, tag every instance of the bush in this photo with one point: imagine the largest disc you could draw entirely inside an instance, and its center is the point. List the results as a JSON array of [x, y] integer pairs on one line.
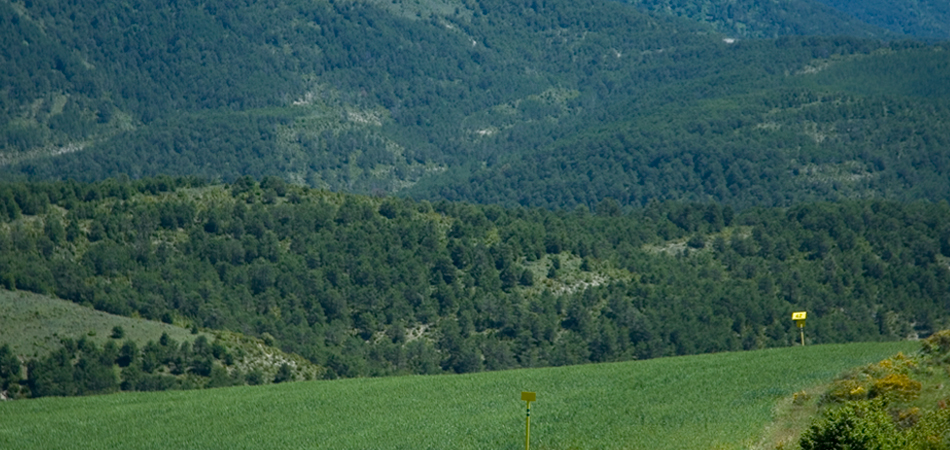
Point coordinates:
[[283, 374], [255, 377], [855, 425], [10, 370], [938, 343], [697, 242], [897, 385]]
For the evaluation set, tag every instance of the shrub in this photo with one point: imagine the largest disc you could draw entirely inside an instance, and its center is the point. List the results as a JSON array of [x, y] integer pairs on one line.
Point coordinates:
[[255, 377], [932, 430], [897, 385], [847, 389], [856, 425], [937, 343], [283, 374]]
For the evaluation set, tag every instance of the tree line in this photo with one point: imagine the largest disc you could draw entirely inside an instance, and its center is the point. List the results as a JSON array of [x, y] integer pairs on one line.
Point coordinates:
[[379, 286], [80, 367]]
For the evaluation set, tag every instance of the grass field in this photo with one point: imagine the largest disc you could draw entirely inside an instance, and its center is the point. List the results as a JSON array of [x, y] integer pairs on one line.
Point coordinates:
[[719, 401], [34, 324]]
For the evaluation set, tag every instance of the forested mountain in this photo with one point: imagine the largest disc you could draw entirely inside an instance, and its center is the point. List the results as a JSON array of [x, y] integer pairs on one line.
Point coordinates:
[[383, 97], [375, 92], [376, 286], [921, 18], [851, 127], [926, 19], [657, 187], [751, 19]]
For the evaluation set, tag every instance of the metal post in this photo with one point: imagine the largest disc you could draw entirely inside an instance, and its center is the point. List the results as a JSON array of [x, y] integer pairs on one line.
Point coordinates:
[[527, 428], [527, 397]]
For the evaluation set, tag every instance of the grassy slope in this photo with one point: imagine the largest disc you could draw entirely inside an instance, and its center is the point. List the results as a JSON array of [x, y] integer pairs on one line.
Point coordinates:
[[33, 324], [708, 401]]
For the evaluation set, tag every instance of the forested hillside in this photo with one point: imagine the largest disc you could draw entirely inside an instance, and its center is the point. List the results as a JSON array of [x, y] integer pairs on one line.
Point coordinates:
[[377, 286], [868, 126], [363, 93], [751, 19], [889, 19], [921, 18], [577, 101]]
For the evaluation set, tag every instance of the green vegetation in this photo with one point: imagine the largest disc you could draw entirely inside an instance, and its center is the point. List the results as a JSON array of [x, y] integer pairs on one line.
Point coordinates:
[[921, 18], [841, 127], [684, 180], [749, 19], [897, 403], [368, 286], [61, 348], [550, 104], [720, 401], [927, 19], [33, 325]]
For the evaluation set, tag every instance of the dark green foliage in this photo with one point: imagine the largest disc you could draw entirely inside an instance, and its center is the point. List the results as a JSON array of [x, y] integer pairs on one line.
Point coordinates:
[[752, 19], [921, 18], [865, 425], [736, 152], [558, 103], [58, 374], [10, 369], [255, 377], [333, 278], [81, 368], [283, 374]]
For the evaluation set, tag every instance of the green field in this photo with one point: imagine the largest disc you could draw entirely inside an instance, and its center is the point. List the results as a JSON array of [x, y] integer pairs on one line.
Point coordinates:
[[34, 324], [698, 402]]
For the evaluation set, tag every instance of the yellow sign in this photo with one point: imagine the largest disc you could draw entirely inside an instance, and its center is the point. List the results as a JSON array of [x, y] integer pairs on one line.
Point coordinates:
[[799, 315], [528, 396]]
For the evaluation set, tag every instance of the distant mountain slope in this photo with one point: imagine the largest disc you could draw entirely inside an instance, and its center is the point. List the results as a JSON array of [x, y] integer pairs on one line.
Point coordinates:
[[921, 18], [888, 19], [417, 97], [874, 125], [768, 19], [406, 85]]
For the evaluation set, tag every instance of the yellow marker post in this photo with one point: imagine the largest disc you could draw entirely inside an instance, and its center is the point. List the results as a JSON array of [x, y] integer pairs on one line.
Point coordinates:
[[799, 318], [527, 397]]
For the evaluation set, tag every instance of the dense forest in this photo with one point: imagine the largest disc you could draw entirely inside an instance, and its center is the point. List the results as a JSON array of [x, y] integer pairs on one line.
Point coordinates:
[[382, 285], [80, 367], [779, 148], [449, 186], [750, 19], [920, 18], [381, 97]]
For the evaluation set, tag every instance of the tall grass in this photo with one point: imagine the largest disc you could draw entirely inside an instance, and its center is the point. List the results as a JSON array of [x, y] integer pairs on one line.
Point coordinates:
[[697, 402], [34, 324]]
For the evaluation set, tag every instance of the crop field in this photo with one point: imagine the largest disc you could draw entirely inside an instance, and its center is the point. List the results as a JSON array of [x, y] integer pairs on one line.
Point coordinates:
[[34, 324], [717, 401]]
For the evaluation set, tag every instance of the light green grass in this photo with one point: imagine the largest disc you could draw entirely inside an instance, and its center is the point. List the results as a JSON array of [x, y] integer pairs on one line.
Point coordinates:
[[34, 324], [697, 402]]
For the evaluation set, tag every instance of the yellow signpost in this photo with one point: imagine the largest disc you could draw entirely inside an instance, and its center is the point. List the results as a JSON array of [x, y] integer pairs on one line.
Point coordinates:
[[527, 397], [799, 318]]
